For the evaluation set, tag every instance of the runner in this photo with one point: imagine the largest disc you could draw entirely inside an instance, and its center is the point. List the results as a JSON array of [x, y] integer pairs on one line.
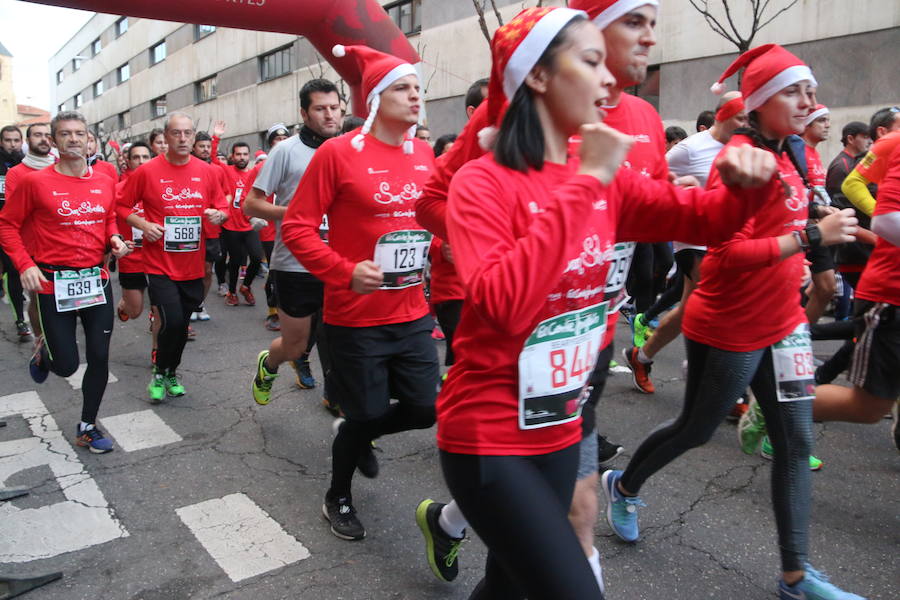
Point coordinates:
[[69, 212], [297, 292], [157, 141], [176, 191], [375, 318], [744, 287], [95, 159]]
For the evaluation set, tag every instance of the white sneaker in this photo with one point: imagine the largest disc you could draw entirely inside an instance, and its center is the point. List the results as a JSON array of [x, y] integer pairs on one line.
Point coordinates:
[[223, 289], [193, 316], [203, 315]]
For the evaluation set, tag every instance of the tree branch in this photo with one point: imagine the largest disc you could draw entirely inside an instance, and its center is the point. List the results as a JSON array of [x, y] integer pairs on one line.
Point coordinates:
[[497, 13], [484, 29], [786, 8]]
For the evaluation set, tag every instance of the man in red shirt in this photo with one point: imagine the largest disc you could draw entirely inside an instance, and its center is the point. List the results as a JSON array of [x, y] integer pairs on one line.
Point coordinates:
[[69, 213], [376, 318], [240, 237], [177, 192], [95, 159]]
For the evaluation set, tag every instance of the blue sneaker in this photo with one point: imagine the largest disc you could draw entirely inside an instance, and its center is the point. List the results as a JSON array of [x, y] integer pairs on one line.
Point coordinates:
[[93, 439], [305, 379], [621, 511], [813, 586], [39, 365]]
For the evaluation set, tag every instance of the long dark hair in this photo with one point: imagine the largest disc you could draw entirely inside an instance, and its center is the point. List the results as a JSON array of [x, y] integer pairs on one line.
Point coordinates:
[[520, 143]]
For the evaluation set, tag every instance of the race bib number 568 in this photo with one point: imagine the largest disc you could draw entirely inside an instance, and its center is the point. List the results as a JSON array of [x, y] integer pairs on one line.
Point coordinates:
[[182, 234]]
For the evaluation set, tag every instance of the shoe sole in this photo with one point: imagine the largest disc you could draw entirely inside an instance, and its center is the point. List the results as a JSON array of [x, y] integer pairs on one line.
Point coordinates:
[[91, 448], [609, 500], [338, 534], [634, 380], [422, 522]]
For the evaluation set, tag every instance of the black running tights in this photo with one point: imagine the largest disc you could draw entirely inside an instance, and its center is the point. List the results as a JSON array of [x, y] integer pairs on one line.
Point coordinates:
[[240, 245], [519, 507], [12, 285], [716, 379], [174, 301], [647, 277]]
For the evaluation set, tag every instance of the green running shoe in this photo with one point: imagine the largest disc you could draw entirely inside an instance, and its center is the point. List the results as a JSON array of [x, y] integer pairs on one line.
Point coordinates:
[[174, 389], [441, 549], [642, 331], [768, 452], [751, 428], [156, 387], [263, 380]]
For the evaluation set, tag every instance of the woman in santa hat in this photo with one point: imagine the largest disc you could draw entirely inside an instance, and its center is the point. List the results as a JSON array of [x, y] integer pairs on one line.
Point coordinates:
[[744, 325], [532, 231]]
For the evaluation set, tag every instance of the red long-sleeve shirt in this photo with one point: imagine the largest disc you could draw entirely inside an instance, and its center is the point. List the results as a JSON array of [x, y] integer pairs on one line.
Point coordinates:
[[880, 282], [748, 297], [237, 184], [531, 246], [133, 262]]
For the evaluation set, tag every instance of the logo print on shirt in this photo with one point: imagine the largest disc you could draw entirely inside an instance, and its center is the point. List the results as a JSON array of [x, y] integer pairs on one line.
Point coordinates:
[[85, 208], [55, 193], [420, 168], [166, 181], [96, 191], [534, 208], [377, 172], [791, 199], [384, 195], [196, 179], [641, 138], [185, 194]]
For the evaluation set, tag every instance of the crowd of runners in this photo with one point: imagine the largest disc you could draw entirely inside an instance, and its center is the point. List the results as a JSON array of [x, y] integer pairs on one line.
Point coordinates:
[[521, 240]]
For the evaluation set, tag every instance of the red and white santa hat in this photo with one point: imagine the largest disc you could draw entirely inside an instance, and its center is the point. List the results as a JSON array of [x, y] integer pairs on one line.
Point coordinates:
[[730, 108], [819, 111], [515, 49], [260, 155], [768, 69], [379, 71], [604, 12]]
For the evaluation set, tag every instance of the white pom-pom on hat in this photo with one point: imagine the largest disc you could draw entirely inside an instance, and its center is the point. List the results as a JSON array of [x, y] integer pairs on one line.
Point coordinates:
[[339, 50], [717, 88], [487, 137]]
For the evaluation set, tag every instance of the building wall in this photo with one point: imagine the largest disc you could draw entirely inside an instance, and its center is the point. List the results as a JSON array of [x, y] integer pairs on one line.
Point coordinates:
[[8, 111]]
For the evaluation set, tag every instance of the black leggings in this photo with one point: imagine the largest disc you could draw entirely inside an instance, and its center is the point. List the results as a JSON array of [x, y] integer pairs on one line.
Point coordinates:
[[60, 339], [519, 506], [716, 379], [12, 285], [647, 277], [240, 245], [271, 299], [174, 301], [448, 315]]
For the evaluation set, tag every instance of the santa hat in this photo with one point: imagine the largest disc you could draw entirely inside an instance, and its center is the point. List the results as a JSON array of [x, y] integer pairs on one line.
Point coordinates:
[[730, 108], [819, 111], [260, 155], [515, 49], [604, 12], [768, 69], [379, 71]]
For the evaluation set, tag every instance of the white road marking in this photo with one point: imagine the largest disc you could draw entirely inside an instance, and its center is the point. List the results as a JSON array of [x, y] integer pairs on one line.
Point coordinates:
[[139, 430], [240, 536], [75, 378], [84, 519]]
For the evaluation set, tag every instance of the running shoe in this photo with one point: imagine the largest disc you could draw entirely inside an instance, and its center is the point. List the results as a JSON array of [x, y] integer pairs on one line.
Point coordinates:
[[249, 300], [272, 323], [93, 439], [305, 379], [202, 315], [895, 430], [737, 411], [437, 334], [23, 330], [751, 428], [120, 312], [768, 452], [231, 299], [621, 511], [813, 586], [640, 372], [191, 334], [367, 463], [607, 451], [174, 389], [223, 289], [441, 549], [39, 365], [332, 407], [261, 388], [194, 316], [157, 387], [641, 331], [342, 516]]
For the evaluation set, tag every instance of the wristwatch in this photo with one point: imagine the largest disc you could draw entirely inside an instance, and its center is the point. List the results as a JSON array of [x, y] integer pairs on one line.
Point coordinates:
[[801, 240], [813, 235]]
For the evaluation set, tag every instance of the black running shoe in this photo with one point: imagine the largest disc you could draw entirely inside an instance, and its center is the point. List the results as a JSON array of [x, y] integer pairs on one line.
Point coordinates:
[[607, 451], [367, 463], [441, 549], [23, 331], [342, 516]]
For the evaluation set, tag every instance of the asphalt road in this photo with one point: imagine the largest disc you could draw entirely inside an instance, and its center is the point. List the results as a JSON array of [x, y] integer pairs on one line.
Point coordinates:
[[708, 530]]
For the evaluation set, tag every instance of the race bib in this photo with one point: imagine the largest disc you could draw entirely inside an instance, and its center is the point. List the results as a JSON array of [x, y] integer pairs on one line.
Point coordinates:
[[401, 256], [78, 289], [2, 186], [137, 236], [619, 265], [323, 229], [182, 234], [555, 364], [792, 358], [236, 202]]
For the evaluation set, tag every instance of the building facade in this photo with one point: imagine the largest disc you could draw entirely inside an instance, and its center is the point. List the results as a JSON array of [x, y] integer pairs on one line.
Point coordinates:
[[126, 73]]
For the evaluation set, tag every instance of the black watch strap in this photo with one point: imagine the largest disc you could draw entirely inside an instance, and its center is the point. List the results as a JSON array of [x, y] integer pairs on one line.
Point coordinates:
[[814, 234]]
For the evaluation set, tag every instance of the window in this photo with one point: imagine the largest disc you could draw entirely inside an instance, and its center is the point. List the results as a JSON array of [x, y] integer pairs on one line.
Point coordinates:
[[59, 76], [158, 53], [124, 120], [96, 47], [201, 31], [407, 14], [275, 64], [206, 89], [123, 73], [76, 63], [121, 26], [61, 107], [158, 107], [79, 100], [98, 88]]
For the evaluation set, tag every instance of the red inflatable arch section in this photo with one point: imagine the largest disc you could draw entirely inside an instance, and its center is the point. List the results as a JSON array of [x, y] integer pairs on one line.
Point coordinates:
[[323, 22]]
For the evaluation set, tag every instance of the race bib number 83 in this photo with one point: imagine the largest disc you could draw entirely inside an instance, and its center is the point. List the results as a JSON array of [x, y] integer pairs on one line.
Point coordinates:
[[794, 369]]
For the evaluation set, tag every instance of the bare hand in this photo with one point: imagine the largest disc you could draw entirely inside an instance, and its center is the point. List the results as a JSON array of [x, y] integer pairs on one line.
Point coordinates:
[[216, 217], [219, 129], [258, 224], [686, 181], [447, 252], [823, 211], [746, 166], [33, 279], [119, 247], [367, 277], [153, 232], [839, 227], [602, 151]]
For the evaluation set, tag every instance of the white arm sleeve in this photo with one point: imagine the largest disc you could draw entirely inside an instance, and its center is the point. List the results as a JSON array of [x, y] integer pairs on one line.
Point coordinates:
[[887, 227]]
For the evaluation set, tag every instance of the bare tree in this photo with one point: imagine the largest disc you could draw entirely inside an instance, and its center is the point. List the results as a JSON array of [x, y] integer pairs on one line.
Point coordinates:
[[479, 9], [731, 32]]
